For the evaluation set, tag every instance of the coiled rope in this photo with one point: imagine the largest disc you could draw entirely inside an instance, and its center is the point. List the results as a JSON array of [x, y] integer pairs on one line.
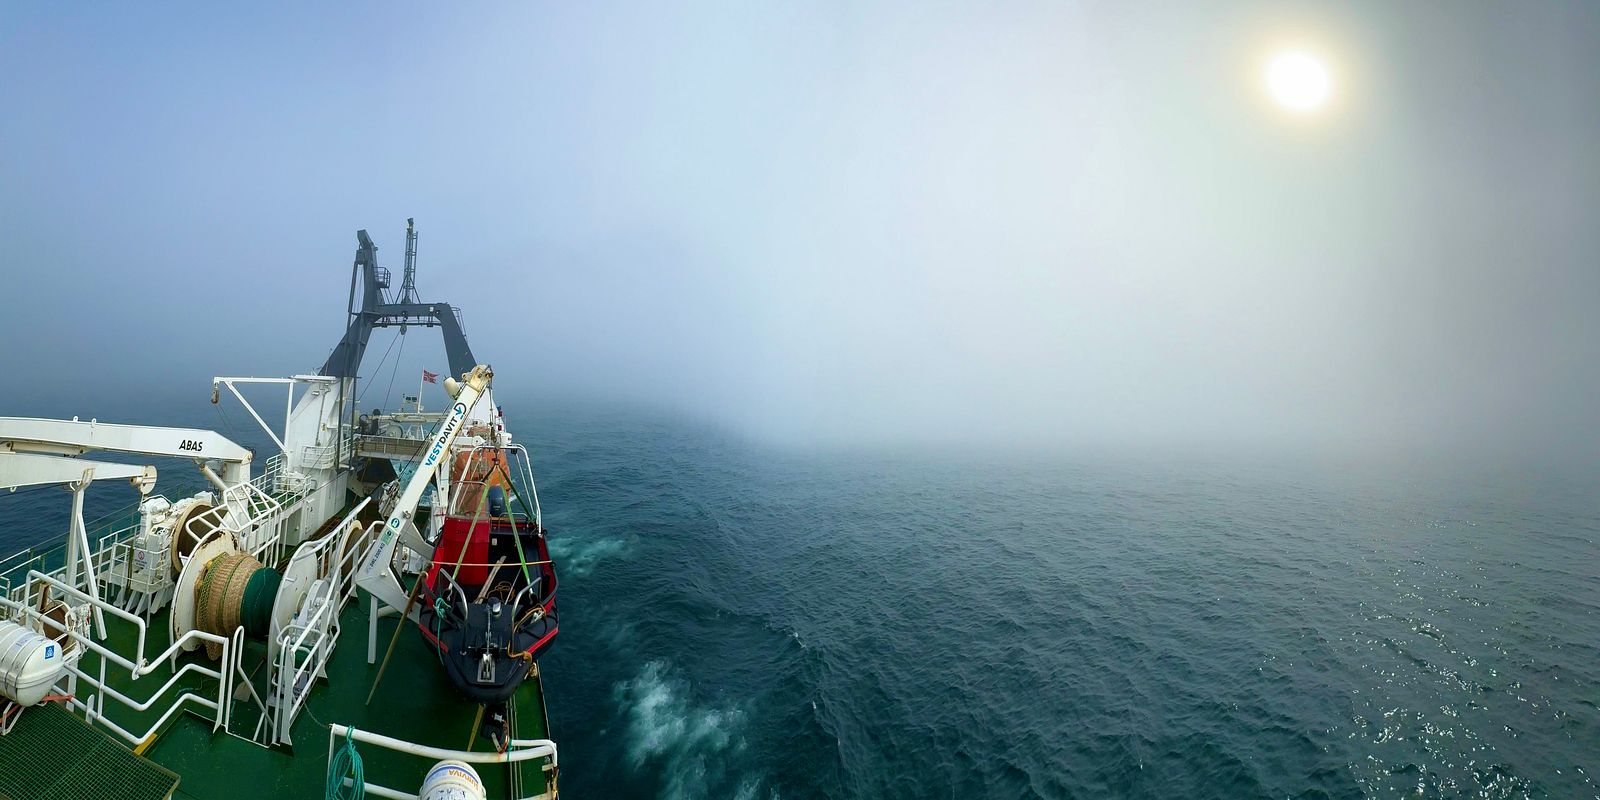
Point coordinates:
[[346, 762], [234, 591], [259, 595]]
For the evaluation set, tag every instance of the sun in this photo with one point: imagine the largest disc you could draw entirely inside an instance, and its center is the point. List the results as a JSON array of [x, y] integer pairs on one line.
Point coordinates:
[[1298, 81]]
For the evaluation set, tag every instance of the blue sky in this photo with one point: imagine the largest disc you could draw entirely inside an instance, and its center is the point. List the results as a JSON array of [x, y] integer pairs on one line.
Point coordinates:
[[1013, 222]]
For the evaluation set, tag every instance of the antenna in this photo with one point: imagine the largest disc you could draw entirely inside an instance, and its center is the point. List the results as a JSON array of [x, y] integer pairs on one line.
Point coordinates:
[[408, 284]]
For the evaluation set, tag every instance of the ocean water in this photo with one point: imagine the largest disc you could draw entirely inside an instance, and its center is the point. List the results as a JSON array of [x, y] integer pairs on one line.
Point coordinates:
[[744, 622], [740, 621]]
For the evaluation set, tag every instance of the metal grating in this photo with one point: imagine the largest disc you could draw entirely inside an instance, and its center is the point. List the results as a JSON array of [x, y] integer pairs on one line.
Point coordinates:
[[53, 755]]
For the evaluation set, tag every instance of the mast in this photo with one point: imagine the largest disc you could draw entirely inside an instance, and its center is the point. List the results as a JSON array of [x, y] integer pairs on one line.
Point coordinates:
[[408, 282], [376, 310]]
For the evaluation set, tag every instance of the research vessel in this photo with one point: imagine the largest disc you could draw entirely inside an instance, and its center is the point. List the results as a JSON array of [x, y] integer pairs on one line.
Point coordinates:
[[194, 645]]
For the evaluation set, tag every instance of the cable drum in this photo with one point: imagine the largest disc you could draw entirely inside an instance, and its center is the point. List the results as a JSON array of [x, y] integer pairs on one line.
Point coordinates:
[[183, 543], [259, 594], [234, 591]]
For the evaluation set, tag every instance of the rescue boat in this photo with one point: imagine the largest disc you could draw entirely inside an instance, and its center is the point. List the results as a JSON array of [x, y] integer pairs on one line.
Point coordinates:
[[488, 601]]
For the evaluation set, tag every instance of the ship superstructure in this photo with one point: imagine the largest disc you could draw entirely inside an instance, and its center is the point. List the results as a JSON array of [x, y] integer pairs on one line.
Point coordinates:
[[200, 640]]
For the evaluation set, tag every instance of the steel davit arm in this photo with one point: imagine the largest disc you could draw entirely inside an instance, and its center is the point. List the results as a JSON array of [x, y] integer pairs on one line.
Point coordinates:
[[375, 573], [64, 437], [33, 469]]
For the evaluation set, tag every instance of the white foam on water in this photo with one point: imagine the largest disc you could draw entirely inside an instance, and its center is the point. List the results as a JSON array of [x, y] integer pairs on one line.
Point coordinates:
[[578, 557], [691, 746]]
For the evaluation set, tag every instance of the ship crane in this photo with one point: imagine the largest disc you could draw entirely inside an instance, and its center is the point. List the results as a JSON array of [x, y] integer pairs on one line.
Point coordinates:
[[61, 437], [34, 469], [44, 451], [375, 573]]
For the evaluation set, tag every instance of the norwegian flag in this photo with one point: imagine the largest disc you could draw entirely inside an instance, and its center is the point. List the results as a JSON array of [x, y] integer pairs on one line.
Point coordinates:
[[430, 377]]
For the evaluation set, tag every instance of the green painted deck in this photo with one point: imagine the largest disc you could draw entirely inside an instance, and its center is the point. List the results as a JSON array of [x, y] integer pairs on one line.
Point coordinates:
[[415, 703], [54, 755]]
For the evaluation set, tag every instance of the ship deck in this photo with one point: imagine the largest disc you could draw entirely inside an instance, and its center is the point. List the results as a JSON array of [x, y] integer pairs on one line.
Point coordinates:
[[53, 755], [415, 702]]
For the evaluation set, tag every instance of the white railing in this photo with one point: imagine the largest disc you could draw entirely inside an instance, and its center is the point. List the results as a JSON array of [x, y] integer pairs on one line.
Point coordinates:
[[134, 575], [51, 558], [350, 558], [525, 473], [93, 704], [318, 456], [403, 447], [260, 522], [323, 456], [306, 644], [517, 750], [304, 648], [248, 510], [247, 513], [251, 510], [257, 517]]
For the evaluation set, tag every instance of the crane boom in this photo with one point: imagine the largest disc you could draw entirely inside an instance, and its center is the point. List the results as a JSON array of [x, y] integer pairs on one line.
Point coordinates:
[[73, 438], [375, 574], [33, 469]]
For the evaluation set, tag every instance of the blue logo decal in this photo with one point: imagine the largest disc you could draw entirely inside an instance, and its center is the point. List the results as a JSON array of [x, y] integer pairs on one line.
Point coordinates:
[[49, 651]]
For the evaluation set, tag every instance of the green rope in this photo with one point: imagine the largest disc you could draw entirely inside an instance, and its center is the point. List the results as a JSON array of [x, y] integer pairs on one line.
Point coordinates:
[[522, 557], [346, 761], [441, 607], [465, 543], [259, 594]]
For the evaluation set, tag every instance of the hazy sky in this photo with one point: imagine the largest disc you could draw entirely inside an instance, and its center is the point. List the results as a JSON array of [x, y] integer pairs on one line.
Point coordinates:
[[1007, 222]]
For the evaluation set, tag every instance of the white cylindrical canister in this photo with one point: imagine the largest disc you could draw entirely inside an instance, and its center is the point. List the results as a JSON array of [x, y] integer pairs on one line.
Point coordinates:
[[452, 780], [30, 663]]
